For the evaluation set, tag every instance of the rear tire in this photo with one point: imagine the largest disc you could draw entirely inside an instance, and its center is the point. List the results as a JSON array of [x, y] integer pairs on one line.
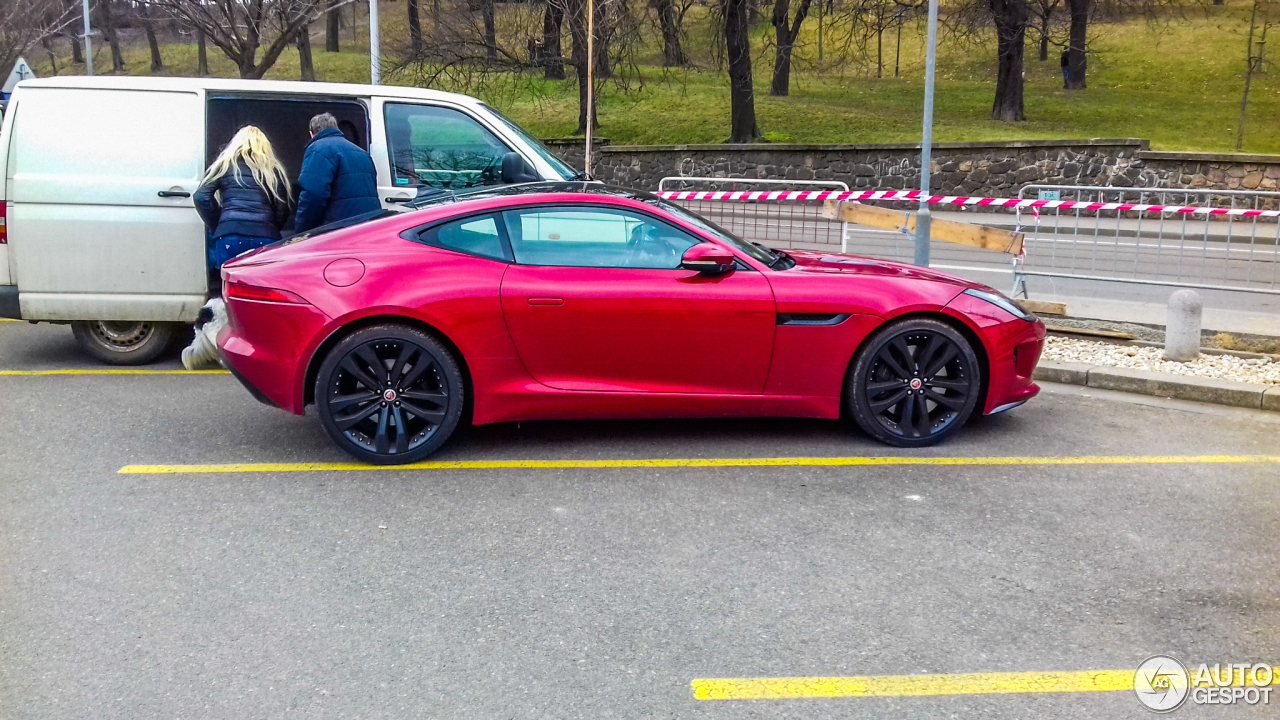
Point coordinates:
[[125, 342], [390, 394], [914, 383]]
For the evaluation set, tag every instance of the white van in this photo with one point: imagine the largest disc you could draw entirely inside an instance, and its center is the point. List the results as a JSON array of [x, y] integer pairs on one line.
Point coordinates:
[[97, 227]]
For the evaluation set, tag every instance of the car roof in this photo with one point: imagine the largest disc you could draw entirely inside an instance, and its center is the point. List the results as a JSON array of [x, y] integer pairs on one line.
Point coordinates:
[[561, 187], [211, 84]]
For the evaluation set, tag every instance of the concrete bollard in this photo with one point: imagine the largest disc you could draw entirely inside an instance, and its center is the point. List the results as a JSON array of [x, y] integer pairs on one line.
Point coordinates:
[[1182, 329]]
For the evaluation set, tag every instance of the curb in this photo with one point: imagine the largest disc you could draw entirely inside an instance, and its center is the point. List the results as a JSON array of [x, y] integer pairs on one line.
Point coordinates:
[[1148, 382]]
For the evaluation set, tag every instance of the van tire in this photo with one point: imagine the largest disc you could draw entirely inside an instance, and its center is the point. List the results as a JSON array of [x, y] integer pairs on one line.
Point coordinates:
[[125, 342]]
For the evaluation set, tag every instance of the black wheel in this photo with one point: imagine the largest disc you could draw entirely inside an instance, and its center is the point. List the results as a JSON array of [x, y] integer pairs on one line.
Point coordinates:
[[389, 394], [125, 342], [914, 383]]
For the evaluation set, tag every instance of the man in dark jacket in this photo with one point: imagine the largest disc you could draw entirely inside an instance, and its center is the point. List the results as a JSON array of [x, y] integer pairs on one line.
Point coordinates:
[[338, 179]]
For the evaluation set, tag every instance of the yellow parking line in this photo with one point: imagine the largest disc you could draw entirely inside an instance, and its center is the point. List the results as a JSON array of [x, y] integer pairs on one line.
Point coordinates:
[[703, 462], [900, 685], [113, 371]]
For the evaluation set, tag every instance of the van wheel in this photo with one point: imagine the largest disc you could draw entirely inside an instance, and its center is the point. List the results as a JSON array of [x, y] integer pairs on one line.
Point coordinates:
[[124, 342]]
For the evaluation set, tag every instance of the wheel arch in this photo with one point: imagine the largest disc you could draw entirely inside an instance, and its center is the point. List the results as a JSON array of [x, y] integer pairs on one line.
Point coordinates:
[[957, 324], [335, 337]]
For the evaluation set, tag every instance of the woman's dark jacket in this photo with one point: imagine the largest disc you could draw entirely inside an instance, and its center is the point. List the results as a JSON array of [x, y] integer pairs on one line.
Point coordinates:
[[245, 208]]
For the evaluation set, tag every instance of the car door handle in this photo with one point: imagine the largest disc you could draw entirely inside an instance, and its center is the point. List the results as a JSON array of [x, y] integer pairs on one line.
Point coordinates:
[[546, 301], [397, 199], [174, 193]]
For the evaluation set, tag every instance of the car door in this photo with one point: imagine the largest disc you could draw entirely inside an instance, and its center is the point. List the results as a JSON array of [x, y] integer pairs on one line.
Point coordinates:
[[596, 300], [101, 223], [422, 146]]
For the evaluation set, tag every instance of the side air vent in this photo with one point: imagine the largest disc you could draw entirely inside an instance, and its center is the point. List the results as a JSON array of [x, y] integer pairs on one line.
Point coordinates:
[[812, 318]]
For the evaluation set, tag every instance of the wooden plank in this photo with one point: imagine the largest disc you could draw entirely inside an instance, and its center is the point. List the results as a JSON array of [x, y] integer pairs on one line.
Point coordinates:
[[951, 231], [1041, 307], [1088, 332]]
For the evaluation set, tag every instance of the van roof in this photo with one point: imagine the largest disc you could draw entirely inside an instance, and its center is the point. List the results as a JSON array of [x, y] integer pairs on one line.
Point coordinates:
[[250, 86]]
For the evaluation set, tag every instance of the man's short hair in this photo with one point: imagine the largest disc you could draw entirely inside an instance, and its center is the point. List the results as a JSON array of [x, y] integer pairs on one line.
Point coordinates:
[[322, 121]]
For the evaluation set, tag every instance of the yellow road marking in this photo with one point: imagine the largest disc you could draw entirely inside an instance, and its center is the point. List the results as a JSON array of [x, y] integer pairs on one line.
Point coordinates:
[[113, 371], [703, 462], [991, 683], [900, 685]]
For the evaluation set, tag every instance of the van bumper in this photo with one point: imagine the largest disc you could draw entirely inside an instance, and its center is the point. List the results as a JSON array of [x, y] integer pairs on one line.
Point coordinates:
[[9, 307]]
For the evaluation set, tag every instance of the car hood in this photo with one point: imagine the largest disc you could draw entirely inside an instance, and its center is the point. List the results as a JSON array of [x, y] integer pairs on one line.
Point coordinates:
[[826, 263]]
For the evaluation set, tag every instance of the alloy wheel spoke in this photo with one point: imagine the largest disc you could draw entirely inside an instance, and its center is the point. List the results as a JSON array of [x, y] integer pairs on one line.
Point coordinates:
[[886, 356], [907, 419], [951, 402], [922, 416], [900, 345], [347, 422], [877, 388], [434, 416], [425, 362], [381, 442], [924, 357], [960, 386], [948, 354], [361, 376], [424, 396], [375, 365], [882, 405], [402, 433], [340, 402], [406, 352]]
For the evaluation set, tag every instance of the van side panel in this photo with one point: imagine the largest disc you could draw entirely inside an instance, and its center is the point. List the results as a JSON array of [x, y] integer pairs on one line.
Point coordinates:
[[100, 204]]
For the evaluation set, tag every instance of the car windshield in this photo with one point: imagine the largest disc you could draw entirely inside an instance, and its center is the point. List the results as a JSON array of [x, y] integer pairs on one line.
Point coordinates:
[[562, 169], [759, 252]]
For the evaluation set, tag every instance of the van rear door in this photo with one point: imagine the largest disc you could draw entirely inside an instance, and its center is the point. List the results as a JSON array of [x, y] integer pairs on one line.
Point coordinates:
[[101, 222]]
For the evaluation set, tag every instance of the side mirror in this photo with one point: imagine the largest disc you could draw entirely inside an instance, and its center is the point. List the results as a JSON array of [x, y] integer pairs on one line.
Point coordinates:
[[515, 169], [708, 258]]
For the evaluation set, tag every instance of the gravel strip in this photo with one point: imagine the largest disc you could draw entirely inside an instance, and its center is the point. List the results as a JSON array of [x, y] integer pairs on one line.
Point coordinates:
[[1226, 367]]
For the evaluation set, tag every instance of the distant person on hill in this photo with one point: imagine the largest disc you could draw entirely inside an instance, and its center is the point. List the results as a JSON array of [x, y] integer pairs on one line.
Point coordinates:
[[338, 179], [1066, 67]]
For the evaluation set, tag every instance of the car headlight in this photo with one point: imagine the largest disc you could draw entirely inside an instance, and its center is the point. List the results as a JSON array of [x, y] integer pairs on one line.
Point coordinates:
[[1002, 302]]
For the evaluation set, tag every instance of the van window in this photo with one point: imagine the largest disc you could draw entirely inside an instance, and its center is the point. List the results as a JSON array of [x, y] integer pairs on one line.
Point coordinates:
[[441, 148], [285, 122]]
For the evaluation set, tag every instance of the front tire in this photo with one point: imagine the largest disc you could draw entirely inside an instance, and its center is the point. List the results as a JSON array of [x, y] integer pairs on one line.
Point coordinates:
[[914, 383], [390, 394], [125, 342]]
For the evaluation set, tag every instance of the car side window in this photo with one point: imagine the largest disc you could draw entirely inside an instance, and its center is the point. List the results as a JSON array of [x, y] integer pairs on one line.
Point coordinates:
[[595, 237], [440, 147], [473, 236]]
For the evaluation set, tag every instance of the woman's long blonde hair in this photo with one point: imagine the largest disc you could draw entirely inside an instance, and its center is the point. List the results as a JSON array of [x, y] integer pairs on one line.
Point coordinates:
[[251, 146]]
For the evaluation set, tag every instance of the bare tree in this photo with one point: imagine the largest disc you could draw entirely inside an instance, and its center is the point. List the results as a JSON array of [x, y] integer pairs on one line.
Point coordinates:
[[143, 14], [202, 54], [1011, 34], [1077, 61], [550, 55], [306, 67], [332, 26], [107, 21], [742, 99], [1259, 22], [671, 21], [415, 26], [239, 28], [786, 30], [24, 23], [1044, 11]]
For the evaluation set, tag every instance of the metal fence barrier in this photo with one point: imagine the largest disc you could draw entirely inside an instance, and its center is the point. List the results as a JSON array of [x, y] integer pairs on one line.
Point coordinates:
[[1198, 250]]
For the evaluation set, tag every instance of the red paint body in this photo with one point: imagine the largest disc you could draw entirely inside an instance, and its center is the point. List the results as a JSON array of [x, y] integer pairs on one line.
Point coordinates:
[[542, 342]]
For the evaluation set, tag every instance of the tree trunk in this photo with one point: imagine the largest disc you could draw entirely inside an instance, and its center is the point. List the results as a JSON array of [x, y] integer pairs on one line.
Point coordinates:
[[1011, 36], [490, 31], [307, 70], [108, 22], [47, 42], [77, 52], [551, 59], [157, 62], [435, 24], [332, 26], [785, 34], [202, 54], [415, 27], [742, 99], [1077, 61], [1044, 37], [577, 11], [672, 54]]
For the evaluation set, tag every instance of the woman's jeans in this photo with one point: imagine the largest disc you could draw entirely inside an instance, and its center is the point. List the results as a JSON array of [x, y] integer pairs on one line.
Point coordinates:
[[222, 249]]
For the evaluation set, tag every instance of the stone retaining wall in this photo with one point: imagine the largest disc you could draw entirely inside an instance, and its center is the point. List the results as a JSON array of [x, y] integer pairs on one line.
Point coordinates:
[[998, 169]]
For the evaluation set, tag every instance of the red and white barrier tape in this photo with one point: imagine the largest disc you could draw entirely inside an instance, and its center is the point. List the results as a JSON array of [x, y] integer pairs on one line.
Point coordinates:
[[915, 196]]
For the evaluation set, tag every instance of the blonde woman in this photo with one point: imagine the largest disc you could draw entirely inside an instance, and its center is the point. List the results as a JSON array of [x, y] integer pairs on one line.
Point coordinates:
[[244, 201]]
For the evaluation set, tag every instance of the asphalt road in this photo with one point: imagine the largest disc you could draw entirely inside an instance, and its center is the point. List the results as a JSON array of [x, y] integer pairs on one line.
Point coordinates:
[[603, 593]]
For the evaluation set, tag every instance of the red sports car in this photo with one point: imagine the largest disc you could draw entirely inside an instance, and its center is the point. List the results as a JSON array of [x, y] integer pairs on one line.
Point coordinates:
[[552, 302]]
